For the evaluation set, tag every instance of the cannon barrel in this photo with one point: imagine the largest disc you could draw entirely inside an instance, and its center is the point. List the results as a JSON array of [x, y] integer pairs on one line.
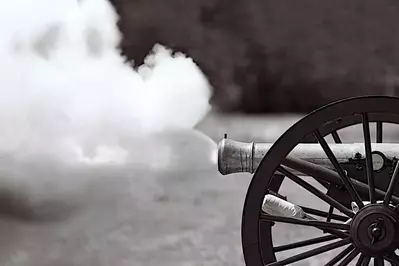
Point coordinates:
[[240, 157]]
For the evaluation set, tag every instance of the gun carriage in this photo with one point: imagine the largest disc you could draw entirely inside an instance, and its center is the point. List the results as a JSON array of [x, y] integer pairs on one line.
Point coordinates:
[[356, 182]]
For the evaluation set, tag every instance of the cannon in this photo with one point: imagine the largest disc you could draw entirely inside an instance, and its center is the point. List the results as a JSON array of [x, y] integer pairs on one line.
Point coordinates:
[[357, 220]]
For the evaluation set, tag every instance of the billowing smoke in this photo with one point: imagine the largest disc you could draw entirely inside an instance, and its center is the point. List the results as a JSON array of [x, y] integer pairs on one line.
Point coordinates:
[[69, 100]]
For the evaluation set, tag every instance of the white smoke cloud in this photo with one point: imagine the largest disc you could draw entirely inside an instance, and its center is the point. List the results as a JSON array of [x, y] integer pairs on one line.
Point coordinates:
[[71, 107], [68, 93]]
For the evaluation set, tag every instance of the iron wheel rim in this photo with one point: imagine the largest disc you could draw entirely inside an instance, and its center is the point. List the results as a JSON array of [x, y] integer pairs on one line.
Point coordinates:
[[382, 107]]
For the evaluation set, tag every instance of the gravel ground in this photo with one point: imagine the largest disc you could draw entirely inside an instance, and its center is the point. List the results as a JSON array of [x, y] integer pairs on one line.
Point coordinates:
[[186, 215]]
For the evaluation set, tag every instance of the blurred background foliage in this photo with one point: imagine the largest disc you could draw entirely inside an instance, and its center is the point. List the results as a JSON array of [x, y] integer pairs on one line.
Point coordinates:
[[274, 55]]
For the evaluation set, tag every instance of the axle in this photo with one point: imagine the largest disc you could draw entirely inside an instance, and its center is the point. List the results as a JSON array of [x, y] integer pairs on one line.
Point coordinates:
[[236, 157]]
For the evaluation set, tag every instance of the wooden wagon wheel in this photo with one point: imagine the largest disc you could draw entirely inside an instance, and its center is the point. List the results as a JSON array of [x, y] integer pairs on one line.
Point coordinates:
[[368, 235]]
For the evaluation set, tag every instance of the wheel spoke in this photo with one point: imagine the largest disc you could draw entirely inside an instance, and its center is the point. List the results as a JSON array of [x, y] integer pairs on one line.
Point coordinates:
[[319, 172], [378, 262], [363, 261], [369, 159], [345, 179], [391, 186], [337, 140], [289, 220], [349, 258], [328, 215], [343, 184], [315, 191], [340, 256], [304, 243], [393, 259], [311, 253], [379, 132], [336, 137], [271, 192]]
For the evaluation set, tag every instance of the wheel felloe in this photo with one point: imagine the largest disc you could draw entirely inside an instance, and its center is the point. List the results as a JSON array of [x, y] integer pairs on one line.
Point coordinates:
[[373, 230]]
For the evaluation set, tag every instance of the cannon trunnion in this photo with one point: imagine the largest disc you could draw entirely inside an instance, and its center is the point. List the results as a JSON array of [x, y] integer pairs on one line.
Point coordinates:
[[356, 183]]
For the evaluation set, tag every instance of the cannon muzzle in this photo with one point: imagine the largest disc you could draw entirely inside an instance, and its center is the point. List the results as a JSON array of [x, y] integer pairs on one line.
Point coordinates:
[[242, 157], [236, 157]]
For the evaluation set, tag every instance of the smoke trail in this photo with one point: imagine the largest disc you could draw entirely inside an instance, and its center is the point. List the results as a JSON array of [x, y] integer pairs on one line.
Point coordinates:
[[69, 100]]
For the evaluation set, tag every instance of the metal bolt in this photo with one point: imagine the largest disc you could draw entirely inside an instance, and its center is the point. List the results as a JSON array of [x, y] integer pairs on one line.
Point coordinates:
[[376, 232]]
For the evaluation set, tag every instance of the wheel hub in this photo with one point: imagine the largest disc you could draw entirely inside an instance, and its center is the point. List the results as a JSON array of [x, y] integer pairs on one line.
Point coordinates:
[[373, 230]]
